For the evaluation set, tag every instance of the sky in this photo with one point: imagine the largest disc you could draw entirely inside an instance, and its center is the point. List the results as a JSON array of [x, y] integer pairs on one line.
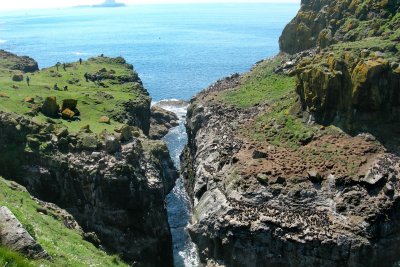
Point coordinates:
[[28, 4]]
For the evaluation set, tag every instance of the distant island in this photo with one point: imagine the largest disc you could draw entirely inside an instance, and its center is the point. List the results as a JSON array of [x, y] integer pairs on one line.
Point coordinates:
[[110, 3]]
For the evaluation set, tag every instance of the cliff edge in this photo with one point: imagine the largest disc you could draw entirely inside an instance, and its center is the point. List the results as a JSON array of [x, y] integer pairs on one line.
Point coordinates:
[[75, 134]]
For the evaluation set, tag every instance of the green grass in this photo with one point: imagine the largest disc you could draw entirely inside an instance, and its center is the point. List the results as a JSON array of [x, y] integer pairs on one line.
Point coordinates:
[[259, 86], [279, 127], [12, 259], [65, 246], [90, 95]]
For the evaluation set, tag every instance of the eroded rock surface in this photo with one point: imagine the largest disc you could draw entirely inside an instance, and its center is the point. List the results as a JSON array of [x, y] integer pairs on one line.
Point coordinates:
[[15, 237], [161, 122], [257, 204], [13, 62], [114, 185], [326, 22]]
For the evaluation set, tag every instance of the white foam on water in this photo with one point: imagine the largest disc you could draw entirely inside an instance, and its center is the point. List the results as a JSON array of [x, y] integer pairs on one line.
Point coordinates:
[[3, 41], [178, 202]]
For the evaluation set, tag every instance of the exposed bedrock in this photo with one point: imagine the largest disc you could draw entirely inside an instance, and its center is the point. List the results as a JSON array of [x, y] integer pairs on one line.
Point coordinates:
[[115, 188], [263, 205], [14, 236], [326, 22], [25, 64]]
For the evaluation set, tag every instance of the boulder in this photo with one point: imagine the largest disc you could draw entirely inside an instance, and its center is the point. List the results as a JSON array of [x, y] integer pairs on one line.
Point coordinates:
[[61, 132], [88, 141], [69, 103], [86, 129], [29, 100], [105, 119], [50, 107], [15, 237], [314, 176], [257, 154], [18, 77], [67, 114], [125, 132], [112, 144], [92, 238], [161, 122]]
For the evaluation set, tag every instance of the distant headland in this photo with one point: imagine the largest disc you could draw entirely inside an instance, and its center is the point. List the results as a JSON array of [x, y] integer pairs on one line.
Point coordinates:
[[110, 3], [107, 3]]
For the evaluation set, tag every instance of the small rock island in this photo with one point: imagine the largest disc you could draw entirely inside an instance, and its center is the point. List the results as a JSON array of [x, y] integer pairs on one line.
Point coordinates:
[[110, 3]]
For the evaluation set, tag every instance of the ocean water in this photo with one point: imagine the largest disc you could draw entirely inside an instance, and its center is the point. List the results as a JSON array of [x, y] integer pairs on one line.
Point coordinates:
[[176, 49]]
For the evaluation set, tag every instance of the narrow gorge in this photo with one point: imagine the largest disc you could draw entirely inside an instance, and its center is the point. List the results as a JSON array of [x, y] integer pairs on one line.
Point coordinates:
[[295, 163]]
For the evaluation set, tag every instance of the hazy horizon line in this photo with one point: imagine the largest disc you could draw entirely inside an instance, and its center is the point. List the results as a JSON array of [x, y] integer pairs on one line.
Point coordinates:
[[195, 2]]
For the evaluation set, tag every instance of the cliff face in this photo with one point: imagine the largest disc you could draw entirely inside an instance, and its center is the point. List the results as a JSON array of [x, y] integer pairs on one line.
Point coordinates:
[[350, 88], [354, 80], [113, 182], [272, 180], [260, 204], [324, 22], [25, 64], [118, 196]]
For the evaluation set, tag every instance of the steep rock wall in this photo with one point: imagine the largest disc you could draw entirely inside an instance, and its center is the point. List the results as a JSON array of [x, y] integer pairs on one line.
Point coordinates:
[[249, 214], [325, 22], [117, 194]]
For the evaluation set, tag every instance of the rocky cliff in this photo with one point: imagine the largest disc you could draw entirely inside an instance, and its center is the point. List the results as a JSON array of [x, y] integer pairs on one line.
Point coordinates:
[[296, 163], [112, 180], [324, 22], [353, 76]]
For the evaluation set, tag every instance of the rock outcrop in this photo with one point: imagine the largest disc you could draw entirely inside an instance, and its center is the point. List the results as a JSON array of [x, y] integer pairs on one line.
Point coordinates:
[[276, 184], [15, 237], [114, 182], [13, 62], [325, 22], [50, 107], [350, 88], [161, 122], [354, 80], [119, 196], [256, 204]]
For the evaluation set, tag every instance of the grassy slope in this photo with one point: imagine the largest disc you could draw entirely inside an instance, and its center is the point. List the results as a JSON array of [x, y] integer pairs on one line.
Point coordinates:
[[65, 246], [260, 85], [91, 103], [263, 86], [11, 259]]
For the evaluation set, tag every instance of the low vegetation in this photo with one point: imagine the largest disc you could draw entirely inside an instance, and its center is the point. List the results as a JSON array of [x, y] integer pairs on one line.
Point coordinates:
[[12, 259], [96, 98], [279, 127], [261, 85], [65, 246]]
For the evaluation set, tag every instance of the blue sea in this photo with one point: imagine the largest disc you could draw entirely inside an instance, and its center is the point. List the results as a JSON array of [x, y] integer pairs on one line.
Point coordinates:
[[176, 49]]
